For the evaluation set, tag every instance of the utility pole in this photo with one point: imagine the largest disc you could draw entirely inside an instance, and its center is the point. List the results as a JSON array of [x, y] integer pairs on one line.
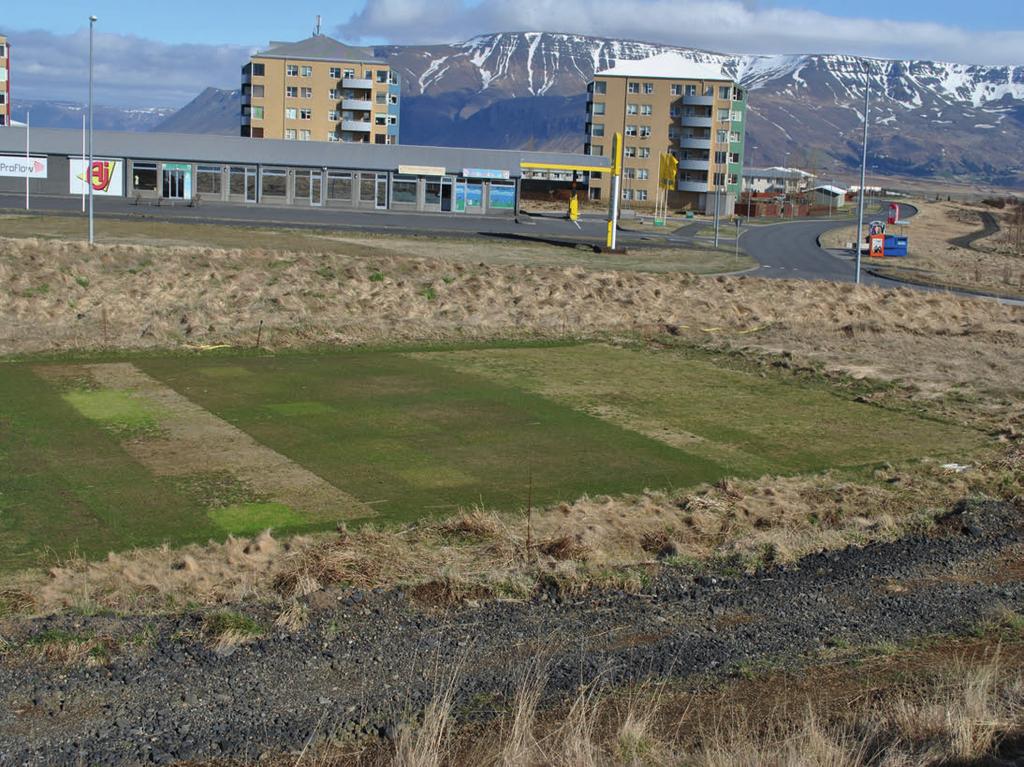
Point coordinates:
[[718, 203], [88, 170], [863, 173]]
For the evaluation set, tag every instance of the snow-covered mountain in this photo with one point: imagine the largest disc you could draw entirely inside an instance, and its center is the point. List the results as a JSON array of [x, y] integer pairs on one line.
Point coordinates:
[[931, 118]]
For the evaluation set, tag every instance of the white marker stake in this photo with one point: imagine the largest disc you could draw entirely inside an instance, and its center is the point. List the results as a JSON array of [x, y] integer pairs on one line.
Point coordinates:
[[28, 161]]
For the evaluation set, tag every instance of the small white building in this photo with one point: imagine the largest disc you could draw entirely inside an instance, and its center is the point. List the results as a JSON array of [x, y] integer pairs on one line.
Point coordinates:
[[776, 180], [828, 195]]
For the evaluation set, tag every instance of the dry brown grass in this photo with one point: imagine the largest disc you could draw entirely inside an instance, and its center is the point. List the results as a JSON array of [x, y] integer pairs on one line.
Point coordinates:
[[911, 708], [608, 541]]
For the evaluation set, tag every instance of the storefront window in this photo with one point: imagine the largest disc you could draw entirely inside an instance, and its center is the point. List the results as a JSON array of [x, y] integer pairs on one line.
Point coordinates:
[[208, 179], [432, 194], [275, 183], [403, 189], [144, 176], [501, 196], [339, 186]]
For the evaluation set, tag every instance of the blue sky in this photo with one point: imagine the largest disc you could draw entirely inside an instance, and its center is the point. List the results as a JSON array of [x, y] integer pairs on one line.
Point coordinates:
[[153, 53], [253, 22]]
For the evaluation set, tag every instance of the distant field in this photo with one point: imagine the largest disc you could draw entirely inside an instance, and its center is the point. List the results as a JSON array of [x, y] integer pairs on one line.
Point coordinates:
[[108, 455]]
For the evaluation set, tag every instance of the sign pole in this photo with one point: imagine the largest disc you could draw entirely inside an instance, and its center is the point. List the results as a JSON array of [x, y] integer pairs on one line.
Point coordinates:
[[88, 171], [616, 180], [83, 159], [28, 160]]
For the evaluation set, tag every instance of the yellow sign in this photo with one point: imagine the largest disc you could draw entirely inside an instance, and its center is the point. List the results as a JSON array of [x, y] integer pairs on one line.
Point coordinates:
[[421, 170], [668, 171], [617, 154]]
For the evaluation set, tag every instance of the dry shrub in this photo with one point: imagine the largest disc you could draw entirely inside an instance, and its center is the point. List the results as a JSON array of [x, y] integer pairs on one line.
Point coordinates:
[[564, 547], [805, 743], [427, 743], [293, 618]]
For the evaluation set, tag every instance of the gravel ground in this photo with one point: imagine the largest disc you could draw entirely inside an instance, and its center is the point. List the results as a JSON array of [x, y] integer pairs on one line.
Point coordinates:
[[367, 659]]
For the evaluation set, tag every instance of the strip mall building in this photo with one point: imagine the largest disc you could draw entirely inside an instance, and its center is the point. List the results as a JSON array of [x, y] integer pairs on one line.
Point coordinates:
[[181, 169]]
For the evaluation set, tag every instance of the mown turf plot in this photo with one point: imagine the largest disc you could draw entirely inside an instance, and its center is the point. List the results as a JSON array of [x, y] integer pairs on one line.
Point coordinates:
[[68, 485], [408, 437], [747, 423]]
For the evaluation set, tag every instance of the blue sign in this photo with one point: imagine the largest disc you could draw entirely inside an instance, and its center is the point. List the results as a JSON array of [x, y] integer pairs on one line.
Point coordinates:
[[490, 173]]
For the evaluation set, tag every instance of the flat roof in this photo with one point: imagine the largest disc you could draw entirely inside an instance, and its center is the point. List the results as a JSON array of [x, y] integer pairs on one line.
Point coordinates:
[[776, 172], [835, 191], [666, 66], [238, 150]]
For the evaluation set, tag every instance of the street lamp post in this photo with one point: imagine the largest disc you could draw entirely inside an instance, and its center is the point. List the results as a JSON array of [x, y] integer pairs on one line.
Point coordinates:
[[863, 176], [88, 169]]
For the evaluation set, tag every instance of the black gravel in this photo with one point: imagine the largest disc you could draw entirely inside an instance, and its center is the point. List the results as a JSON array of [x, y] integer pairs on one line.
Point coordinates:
[[368, 659]]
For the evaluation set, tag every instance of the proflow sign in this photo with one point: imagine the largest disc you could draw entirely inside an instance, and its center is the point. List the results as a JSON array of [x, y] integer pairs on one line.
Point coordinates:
[[22, 167]]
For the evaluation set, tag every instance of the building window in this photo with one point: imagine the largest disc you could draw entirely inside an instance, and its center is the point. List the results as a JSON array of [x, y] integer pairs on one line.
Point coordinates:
[[307, 93], [349, 73], [641, 195], [382, 97], [275, 183], [380, 119], [257, 91], [332, 116], [674, 112], [334, 94], [734, 137], [333, 137], [382, 75], [257, 113], [305, 135], [627, 194], [643, 174], [723, 115], [737, 117], [720, 157], [403, 189], [600, 87], [257, 70], [733, 178], [392, 119], [629, 172], [393, 98], [3, 51], [291, 113], [629, 151], [339, 186], [335, 73], [677, 89], [648, 88], [691, 90], [291, 91], [307, 71], [645, 131], [292, 70], [721, 136], [725, 92], [633, 88], [646, 109], [289, 134], [144, 176], [597, 149], [643, 152], [208, 179], [734, 158], [305, 114], [719, 179], [598, 108], [632, 109], [597, 130]]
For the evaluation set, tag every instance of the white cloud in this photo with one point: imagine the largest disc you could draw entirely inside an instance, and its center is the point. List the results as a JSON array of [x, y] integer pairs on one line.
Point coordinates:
[[128, 70], [730, 26]]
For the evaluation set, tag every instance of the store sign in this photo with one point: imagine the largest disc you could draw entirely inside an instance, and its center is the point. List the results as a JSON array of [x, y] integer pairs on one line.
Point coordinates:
[[421, 170], [490, 173], [107, 176], [22, 167]]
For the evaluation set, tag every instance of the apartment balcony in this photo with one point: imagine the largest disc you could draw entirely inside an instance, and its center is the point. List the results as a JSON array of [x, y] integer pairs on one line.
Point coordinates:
[[690, 121], [703, 165], [246, 120], [699, 101], [694, 143], [357, 105], [246, 79], [692, 186], [357, 126], [357, 83]]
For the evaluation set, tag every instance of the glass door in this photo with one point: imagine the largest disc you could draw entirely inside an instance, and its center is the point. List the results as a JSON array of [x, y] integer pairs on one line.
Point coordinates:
[[174, 185], [381, 197], [251, 185], [446, 194], [316, 193]]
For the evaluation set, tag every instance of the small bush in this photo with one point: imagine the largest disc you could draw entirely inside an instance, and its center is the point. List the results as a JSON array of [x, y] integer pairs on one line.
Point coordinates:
[[377, 277]]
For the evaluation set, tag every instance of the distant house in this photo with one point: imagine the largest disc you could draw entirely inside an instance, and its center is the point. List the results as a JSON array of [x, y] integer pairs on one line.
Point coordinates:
[[776, 180], [828, 196]]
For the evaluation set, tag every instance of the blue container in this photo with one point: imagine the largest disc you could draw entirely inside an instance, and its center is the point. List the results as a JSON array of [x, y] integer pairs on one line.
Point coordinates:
[[895, 245]]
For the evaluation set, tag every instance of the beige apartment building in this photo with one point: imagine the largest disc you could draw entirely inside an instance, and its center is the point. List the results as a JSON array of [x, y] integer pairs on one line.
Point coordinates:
[[668, 104], [5, 81], [320, 89]]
